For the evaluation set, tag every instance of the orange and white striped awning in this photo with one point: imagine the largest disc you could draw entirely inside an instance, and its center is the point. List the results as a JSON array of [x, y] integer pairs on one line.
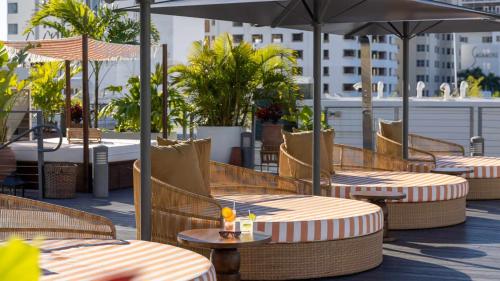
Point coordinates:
[[71, 49]]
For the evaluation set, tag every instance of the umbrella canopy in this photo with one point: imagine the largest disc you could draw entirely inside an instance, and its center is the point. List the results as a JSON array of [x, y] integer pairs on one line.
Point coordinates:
[[313, 15], [71, 49], [415, 27], [406, 30], [300, 14]]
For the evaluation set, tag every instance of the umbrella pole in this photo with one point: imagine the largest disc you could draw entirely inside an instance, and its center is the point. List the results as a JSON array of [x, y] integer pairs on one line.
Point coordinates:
[[67, 91], [86, 112], [317, 108], [145, 56], [406, 88], [164, 116]]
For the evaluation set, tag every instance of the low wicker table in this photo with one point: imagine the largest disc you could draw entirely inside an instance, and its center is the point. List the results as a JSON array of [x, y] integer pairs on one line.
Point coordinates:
[[379, 198], [312, 236], [452, 171], [225, 255]]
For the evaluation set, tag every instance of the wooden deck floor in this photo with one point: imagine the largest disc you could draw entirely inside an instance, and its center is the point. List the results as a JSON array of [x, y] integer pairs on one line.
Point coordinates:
[[470, 251]]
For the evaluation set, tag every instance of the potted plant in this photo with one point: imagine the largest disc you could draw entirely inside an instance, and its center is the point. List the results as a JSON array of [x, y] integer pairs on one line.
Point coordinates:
[[221, 81], [269, 117], [76, 111], [10, 91], [125, 109]]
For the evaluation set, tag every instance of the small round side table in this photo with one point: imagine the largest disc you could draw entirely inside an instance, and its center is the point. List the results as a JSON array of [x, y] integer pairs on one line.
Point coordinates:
[[225, 255], [452, 171], [379, 198]]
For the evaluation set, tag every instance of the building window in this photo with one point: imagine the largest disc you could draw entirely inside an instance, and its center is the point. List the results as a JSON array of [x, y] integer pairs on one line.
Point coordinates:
[[299, 70], [420, 48], [326, 71], [378, 39], [326, 37], [326, 54], [349, 53], [213, 22], [237, 38], [436, 50], [464, 39], [349, 37], [436, 79], [326, 88], [421, 78], [299, 54], [237, 24], [487, 39], [12, 29], [420, 63], [349, 70], [436, 64], [348, 87], [297, 37], [12, 8], [277, 38], [257, 38]]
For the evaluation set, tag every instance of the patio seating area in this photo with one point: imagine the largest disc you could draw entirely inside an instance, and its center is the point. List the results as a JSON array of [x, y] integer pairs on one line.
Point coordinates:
[[102, 205], [466, 251]]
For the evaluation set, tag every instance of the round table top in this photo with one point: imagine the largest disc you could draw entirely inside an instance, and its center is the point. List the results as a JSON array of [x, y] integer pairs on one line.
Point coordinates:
[[482, 166], [303, 218], [378, 195], [210, 238], [454, 171], [88, 259]]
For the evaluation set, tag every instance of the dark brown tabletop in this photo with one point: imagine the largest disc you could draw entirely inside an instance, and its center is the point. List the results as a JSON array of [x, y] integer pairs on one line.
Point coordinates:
[[210, 238], [453, 171], [378, 195]]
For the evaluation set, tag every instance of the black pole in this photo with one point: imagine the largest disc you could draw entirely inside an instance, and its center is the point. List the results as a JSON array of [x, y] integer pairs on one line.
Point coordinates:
[[67, 92], [366, 81], [86, 111], [316, 102], [145, 120], [406, 88], [164, 114]]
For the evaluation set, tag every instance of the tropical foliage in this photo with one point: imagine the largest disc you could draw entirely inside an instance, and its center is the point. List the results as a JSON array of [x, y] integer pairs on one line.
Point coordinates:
[[304, 119], [74, 18], [126, 109], [47, 82], [489, 82], [222, 79], [9, 86]]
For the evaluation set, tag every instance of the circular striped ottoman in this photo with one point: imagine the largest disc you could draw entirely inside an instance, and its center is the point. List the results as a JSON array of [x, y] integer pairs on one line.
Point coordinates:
[[312, 236], [484, 180], [432, 200]]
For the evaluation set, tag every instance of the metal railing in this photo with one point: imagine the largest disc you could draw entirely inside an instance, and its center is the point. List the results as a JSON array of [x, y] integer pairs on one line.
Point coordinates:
[[37, 131]]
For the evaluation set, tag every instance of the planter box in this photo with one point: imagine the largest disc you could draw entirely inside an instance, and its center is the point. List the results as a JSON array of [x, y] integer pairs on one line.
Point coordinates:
[[223, 139]]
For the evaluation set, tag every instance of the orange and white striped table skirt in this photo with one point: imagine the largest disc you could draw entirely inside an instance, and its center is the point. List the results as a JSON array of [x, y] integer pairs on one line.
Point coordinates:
[[100, 260], [418, 187], [483, 167], [301, 218]]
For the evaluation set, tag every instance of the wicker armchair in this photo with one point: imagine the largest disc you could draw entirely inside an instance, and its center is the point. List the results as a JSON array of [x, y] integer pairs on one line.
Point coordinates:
[[28, 219], [394, 149], [435, 146], [175, 210]]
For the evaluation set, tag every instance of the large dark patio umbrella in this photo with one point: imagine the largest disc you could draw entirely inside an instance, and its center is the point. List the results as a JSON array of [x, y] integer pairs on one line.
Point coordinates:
[[406, 30], [305, 15]]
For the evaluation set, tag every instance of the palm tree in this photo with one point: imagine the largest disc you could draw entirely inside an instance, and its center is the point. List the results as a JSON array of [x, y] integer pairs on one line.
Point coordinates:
[[222, 79], [74, 18]]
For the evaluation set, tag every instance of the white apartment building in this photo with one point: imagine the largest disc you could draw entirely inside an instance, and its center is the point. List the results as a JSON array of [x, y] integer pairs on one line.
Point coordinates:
[[431, 61], [340, 55], [481, 49], [3, 20]]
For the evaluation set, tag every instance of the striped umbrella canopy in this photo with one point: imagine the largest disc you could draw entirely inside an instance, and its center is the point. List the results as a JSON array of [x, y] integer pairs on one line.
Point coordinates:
[[71, 49]]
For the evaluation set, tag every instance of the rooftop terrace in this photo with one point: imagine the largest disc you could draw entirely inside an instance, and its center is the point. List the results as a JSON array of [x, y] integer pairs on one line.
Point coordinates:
[[468, 251]]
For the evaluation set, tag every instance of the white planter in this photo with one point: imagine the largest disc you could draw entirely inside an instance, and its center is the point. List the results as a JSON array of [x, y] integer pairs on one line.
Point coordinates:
[[223, 139]]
